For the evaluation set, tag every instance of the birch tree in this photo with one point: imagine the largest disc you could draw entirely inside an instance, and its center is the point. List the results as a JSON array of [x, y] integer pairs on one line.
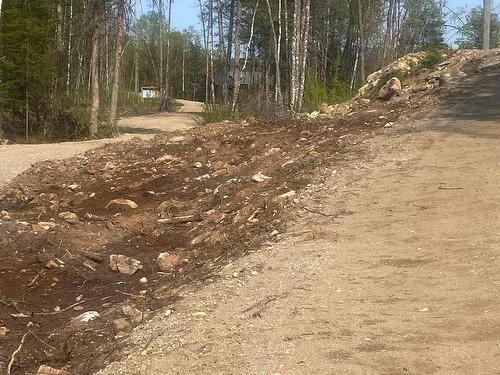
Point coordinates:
[[120, 20]]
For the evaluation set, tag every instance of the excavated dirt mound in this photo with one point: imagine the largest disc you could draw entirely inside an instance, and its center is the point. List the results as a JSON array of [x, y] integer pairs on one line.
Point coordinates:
[[204, 197]]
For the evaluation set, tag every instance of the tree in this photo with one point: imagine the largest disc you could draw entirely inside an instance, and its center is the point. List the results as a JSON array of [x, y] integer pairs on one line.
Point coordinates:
[[471, 32], [120, 20]]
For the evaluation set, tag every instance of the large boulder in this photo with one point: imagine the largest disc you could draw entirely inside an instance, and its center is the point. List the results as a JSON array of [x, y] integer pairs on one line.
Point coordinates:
[[392, 88]]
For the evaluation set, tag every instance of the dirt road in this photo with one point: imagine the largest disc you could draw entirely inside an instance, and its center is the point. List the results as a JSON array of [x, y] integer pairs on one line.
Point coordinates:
[[16, 158], [392, 269]]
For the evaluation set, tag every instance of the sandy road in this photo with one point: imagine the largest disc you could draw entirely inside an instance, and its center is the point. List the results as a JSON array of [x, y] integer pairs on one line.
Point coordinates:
[[401, 279], [14, 159]]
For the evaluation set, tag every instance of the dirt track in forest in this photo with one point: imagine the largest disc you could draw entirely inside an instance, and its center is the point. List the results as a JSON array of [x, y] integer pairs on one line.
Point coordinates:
[[392, 269], [16, 158]]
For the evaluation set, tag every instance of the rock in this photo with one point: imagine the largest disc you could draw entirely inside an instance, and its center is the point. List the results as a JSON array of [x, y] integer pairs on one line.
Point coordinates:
[[69, 217], [419, 87], [51, 264], [389, 125], [177, 139], [167, 158], [121, 324], [85, 317], [5, 216], [198, 164], [313, 115], [46, 370], [74, 187], [167, 262], [288, 194], [122, 204], [326, 109], [392, 88], [38, 228], [3, 331], [123, 264], [259, 177], [132, 313], [168, 312], [143, 280]]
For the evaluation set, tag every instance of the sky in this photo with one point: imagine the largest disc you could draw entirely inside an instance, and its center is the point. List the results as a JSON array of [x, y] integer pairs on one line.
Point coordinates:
[[185, 12]]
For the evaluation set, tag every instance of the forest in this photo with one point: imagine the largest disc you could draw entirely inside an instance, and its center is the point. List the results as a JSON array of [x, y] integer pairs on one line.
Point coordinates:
[[70, 68]]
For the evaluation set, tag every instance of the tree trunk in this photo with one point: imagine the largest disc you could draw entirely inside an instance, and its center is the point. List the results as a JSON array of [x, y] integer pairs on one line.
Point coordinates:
[[167, 57], [237, 70], [362, 67], [276, 48], [136, 56], [118, 58], [249, 44], [160, 81], [69, 50], [211, 35], [230, 38], [94, 71], [183, 70], [207, 57], [486, 24], [301, 19], [222, 53]]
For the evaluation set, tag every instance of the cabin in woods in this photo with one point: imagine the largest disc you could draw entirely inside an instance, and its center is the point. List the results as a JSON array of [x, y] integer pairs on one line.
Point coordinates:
[[151, 91]]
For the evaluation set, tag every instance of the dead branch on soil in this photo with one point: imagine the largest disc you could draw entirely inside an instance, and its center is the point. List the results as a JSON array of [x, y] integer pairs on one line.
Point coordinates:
[[181, 219], [60, 311], [318, 212], [13, 356], [440, 187]]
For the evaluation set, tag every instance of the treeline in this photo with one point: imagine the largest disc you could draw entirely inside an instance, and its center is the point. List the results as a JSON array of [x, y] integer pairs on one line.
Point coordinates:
[[69, 68]]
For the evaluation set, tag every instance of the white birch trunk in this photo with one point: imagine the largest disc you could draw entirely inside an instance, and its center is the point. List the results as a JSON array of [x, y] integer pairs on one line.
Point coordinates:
[[237, 69], [94, 79], [118, 58], [252, 27]]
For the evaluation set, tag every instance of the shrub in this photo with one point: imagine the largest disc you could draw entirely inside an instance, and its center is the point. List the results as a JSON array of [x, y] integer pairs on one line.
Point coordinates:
[[216, 113], [317, 92], [431, 59]]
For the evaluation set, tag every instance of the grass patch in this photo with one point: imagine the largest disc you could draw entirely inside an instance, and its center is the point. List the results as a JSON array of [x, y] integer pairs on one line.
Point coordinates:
[[213, 113]]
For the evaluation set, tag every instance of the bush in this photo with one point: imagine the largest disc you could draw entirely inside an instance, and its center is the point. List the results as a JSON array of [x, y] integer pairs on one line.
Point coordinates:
[[317, 92], [216, 113], [431, 59]]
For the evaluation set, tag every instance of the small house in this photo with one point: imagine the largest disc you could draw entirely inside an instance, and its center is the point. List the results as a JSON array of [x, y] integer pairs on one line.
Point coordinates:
[[150, 91]]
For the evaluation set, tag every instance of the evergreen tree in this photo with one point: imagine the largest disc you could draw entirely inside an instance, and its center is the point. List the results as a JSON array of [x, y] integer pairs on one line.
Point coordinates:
[[471, 33]]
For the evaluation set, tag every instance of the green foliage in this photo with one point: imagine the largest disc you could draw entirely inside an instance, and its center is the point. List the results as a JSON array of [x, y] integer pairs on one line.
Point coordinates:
[[431, 59], [216, 113], [27, 64], [471, 33], [317, 92], [424, 27]]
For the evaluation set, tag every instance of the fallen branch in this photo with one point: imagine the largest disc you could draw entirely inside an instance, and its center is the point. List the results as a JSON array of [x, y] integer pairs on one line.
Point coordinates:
[[13, 356], [92, 256], [60, 311], [181, 219], [317, 212], [449, 188]]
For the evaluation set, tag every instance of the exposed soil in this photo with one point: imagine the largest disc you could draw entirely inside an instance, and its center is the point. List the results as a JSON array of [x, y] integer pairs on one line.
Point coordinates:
[[234, 213], [404, 281], [16, 158], [47, 278]]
